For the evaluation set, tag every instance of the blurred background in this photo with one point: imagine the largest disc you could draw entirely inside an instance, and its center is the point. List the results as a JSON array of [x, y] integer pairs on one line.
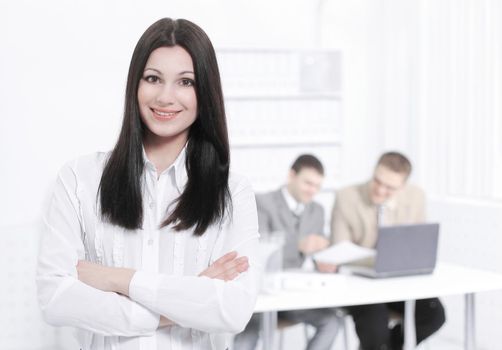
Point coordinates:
[[345, 80]]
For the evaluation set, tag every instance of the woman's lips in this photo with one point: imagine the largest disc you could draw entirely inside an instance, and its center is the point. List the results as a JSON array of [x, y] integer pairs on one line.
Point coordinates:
[[164, 114]]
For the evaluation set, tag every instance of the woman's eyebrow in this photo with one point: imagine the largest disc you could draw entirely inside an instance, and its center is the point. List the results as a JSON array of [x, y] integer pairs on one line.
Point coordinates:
[[186, 72], [155, 70]]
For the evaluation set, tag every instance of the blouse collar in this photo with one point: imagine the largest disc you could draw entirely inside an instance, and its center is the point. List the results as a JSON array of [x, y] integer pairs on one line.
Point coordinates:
[[178, 166]]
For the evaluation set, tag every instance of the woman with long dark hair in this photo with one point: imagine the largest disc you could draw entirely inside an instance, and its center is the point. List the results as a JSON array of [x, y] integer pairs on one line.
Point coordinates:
[[152, 245]]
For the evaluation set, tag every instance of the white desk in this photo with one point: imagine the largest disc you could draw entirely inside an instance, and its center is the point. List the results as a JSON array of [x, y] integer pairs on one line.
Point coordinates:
[[314, 290]]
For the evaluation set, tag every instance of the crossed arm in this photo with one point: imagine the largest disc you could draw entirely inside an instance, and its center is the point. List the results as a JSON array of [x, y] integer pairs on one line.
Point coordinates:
[[117, 279]]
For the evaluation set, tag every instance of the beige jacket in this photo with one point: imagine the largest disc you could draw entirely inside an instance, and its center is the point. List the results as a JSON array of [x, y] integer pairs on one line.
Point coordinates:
[[354, 217]]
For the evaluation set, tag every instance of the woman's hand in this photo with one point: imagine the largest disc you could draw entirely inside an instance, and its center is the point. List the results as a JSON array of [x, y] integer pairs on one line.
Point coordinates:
[[226, 268], [165, 322], [105, 278]]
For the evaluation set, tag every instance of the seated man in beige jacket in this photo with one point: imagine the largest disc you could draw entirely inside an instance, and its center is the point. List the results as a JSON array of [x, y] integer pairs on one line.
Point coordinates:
[[386, 199]]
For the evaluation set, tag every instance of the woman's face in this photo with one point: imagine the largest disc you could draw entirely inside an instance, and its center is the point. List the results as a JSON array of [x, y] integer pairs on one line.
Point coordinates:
[[166, 94]]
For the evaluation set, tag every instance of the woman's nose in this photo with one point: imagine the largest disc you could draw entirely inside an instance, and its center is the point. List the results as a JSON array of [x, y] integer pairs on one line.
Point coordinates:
[[165, 95]]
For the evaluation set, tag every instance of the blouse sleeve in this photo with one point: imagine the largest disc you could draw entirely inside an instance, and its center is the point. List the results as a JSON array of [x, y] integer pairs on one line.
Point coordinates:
[[210, 305], [64, 300]]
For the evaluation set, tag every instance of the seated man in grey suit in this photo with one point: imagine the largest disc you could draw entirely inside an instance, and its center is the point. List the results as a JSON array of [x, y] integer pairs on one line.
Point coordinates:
[[291, 209]]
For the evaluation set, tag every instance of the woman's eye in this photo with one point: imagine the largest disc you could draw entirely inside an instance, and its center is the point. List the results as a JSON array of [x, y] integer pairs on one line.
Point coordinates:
[[187, 82], [151, 79]]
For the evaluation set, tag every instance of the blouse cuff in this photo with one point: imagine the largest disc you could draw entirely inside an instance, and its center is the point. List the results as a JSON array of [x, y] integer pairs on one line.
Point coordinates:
[[143, 288], [143, 319]]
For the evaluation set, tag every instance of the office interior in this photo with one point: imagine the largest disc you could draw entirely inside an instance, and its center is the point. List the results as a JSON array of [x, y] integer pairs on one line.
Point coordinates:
[[345, 80]]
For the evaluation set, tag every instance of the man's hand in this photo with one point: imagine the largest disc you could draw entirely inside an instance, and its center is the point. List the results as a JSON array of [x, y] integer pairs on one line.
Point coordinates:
[[226, 268], [325, 267], [312, 243]]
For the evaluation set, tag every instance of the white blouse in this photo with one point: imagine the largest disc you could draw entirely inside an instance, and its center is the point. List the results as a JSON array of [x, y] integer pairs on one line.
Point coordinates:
[[167, 263]]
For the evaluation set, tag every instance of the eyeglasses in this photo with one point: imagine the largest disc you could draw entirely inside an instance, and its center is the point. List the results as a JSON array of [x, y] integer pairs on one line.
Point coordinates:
[[380, 183]]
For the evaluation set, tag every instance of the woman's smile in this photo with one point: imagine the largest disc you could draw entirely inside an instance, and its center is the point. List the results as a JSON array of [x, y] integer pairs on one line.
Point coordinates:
[[164, 114]]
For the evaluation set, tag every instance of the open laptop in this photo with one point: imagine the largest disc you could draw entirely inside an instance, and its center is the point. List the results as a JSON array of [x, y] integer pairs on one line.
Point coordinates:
[[402, 250]]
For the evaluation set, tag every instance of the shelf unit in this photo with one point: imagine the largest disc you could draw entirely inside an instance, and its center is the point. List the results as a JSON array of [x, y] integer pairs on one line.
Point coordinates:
[[281, 103]]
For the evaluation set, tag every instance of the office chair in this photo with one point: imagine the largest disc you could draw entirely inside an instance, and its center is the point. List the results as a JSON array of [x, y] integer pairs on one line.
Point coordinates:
[[342, 316]]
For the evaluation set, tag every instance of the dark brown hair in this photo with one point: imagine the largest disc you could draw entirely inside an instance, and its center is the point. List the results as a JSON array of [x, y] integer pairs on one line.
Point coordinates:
[[307, 161]]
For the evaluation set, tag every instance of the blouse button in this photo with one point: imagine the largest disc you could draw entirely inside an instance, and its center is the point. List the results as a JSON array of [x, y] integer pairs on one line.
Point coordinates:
[[152, 205], [150, 241]]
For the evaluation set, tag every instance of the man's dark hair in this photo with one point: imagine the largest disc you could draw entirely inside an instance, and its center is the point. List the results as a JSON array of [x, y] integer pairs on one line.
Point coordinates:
[[396, 162], [307, 161]]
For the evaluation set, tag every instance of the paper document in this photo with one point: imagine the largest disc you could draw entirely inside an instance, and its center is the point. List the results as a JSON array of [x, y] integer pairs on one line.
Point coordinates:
[[343, 253]]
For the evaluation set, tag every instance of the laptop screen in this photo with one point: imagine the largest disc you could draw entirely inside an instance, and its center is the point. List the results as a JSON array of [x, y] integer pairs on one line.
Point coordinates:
[[407, 248]]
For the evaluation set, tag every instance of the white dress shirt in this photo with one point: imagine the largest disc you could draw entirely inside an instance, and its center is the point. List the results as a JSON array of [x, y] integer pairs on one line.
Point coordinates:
[[296, 207], [167, 262]]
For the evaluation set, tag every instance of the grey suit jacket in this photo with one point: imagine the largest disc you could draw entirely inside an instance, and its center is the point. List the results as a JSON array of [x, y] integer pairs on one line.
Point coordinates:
[[275, 215]]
